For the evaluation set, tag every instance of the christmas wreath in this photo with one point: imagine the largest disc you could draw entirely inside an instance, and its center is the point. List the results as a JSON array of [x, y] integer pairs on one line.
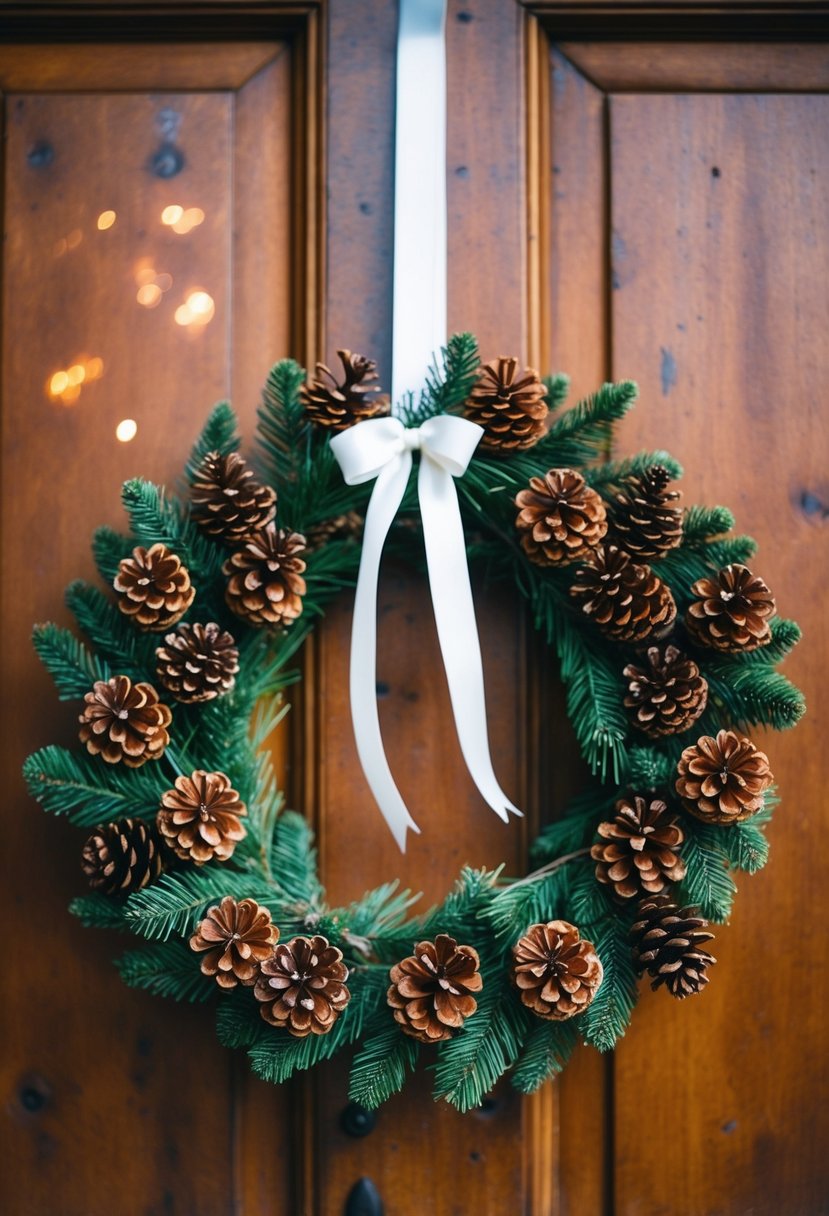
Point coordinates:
[[667, 644]]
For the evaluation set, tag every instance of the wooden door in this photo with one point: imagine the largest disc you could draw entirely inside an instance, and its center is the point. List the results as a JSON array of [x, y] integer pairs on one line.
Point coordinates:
[[581, 193]]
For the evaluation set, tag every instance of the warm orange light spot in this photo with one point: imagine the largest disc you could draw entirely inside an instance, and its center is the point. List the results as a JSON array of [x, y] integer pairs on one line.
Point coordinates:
[[149, 295], [76, 374], [183, 315], [200, 303], [94, 368], [58, 383], [126, 430], [70, 395], [191, 218], [105, 220], [74, 238], [172, 214], [60, 247]]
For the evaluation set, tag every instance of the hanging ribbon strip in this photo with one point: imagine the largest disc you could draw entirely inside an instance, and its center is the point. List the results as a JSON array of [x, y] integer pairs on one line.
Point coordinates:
[[382, 448]]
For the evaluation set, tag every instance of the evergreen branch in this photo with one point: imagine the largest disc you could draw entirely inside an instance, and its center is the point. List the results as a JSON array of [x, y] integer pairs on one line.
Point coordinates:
[[448, 385], [785, 635], [576, 827], [284, 433], [556, 388], [238, 1021], [73, 668], [109, 548], [650, 769], [176, 902], [127, 651], [96, 911], [612, 474], [548, 1047], [607, 1017], [469, 1064], [699, 524], [219, 434], [754, 694], [381, 1065], [294, 860], [707, 884], [745, 845], [158, 518], [90, 792], [166, 969], [583, 433]]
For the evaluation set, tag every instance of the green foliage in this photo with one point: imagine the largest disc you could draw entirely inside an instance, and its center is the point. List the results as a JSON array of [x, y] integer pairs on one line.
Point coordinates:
[[294, 860], [219, 434], [157, 517], [609, 476], [166, 969], [176, 902], [745, 845], [583, 433], [381, 1065], [127, 651], [548, 1047], [88, 791], [238, 1021], [708, 883], [606, 1019], [699, 524], [96, 911], [650, 769], [73, 668], [284, 430], [556, 389], [448, 383], [109, 548], [754, 694]]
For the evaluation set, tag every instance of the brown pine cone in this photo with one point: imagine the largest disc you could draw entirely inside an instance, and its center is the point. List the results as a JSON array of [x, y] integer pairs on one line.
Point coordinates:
[[347, 527], [226, 499], [302, 986], [237, 938], [197, 662], [122, 857], [723, 780], [431, 990], [644, 522], [122, 721], [666, 944], [732, 610], [266, 584], [642, 853], [666, 694], [560, 518], [513, 411], [338, 406], [200, 818], [627, 602], [153, 588], [555, 972]]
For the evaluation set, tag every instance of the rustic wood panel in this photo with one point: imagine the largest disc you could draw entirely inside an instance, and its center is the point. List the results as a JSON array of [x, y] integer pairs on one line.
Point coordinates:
[[719, 211], [103, 1086]]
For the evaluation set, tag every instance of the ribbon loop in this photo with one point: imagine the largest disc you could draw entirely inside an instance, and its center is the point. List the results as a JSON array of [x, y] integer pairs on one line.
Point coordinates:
[[382, 448]]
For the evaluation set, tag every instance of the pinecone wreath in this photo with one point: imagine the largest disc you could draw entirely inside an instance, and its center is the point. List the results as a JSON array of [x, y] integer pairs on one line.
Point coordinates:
[[153, 588], [235, 939], [122, 721], [201, 818], [431, 990], [266, 586], [226, 499], [644, 520], [723, 780], [556, 973], [302, 986], [197, 662], [560, 518], [122, 857], [666, 943], [340, 405], [511, 409], [627, 601], [639, 849], [666, 694], [732, 611]]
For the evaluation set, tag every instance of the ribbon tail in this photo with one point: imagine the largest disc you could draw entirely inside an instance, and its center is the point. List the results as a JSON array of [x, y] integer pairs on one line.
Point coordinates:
[[385, 499], [456, 627]]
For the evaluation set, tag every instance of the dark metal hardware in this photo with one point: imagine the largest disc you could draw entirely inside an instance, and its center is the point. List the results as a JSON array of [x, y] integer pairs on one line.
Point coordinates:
[[167, 161], [356, 1121], [40, 154], [363, 1200]]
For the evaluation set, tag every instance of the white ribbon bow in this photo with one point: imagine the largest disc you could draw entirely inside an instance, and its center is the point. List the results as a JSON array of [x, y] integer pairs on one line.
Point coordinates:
[[382, 448]]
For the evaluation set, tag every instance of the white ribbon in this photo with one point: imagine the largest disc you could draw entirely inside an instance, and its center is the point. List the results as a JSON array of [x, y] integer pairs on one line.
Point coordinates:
[[382, 448]]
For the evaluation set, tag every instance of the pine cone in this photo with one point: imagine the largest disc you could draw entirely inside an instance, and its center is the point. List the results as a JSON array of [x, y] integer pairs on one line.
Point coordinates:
[[266, 584], [555, 972], [237, 938], [122, 857], [723, 780], [643, 520], [338, 406], [431, 990], [732, 610], [153, 588], [227, 501], [200, 818], [302, 986], [347, 527], [666, 944], [513, 412], [560, 518], [197, 662], [124, 721], [627, 602], [667, 694], [643, 850]]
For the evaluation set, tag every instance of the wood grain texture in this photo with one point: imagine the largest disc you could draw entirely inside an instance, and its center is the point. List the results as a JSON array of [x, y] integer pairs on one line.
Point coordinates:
[[701, 67], [719, 214], [116, 69], [99, 1065]]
